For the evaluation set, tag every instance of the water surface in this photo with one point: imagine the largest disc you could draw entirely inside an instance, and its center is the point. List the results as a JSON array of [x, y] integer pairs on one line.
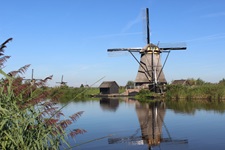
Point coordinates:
[[128, 124]]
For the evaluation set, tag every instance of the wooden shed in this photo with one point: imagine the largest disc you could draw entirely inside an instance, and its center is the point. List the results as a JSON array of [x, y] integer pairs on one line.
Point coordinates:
[[180, 82], [109, 87]]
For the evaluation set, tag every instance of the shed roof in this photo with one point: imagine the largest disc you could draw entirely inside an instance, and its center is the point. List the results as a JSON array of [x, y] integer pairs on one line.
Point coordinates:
[[180, 82], [107, 84]]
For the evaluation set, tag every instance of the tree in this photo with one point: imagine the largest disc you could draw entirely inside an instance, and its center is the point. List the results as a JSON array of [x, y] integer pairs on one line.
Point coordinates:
[[130, 85], [222, 82], [191, 81], [199, 82]]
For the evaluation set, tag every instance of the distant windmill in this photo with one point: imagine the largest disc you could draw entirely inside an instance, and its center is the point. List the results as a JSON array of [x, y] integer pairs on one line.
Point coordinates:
[[62, 83], [32, 80], [150, 73]]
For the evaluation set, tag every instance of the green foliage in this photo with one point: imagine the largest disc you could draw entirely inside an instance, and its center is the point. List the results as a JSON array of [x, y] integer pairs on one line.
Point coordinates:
[[222, 82], [211, 92], [27, 119], [145, 95], [76, 94], [191, 81], [190, 107], [122, 89], [130, 84], [199, 82], [72, 94]]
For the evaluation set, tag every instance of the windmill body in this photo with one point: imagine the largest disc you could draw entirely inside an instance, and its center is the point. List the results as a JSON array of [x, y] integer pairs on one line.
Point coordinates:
[[150, 68]]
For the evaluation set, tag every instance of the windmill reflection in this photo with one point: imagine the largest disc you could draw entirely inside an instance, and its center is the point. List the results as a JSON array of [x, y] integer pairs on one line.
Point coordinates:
[[109, 104], [151, 117], [151, 120]]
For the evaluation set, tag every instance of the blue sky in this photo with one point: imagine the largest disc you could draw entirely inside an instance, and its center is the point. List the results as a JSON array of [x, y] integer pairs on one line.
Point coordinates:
[[71, 38]]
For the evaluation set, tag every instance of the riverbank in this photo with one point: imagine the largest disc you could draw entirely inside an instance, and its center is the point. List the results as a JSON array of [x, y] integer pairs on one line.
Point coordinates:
[[209, 92], [203, 92]]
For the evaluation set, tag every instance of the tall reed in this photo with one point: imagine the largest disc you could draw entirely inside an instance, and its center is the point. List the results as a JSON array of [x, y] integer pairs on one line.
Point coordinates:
[[27, 119], [211, 92]]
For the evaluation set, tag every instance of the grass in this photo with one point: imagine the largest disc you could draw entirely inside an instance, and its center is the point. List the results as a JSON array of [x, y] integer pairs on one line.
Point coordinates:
[[76, 94], [72, 94], [198, 90], [210, 92]]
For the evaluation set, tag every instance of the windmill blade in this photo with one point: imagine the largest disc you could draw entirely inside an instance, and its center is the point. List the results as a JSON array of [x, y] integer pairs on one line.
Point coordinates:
[[62, 82], [172, 46], [124, 49], [148, 26], [32, 74], [131, 140], [62, 78]]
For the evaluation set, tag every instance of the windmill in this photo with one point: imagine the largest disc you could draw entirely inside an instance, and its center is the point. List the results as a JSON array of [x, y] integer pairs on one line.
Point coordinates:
[[150, 73], [62, 83], [32, 80]]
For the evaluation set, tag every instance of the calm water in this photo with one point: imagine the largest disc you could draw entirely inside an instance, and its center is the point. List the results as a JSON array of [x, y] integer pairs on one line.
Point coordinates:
[[127, 124]]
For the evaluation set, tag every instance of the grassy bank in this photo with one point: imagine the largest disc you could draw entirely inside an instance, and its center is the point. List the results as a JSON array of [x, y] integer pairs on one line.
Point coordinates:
[[195, 91], [210, 92], [67, 94]]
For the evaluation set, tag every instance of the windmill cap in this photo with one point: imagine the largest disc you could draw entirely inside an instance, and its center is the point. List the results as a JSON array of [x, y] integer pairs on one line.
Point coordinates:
[[150, 48]]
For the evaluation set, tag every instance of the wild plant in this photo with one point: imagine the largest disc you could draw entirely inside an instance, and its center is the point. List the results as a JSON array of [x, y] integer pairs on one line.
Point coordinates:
[[28, 120]]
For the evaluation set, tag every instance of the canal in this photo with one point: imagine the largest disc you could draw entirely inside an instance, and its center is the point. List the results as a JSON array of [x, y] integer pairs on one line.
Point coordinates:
[[128, 124]]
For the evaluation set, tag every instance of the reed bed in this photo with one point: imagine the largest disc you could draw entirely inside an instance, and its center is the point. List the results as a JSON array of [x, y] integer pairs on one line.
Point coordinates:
[[209, 92], [27, 119]]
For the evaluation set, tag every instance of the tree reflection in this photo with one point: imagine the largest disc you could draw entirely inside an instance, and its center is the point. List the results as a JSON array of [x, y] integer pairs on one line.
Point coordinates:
[[190, 107]]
